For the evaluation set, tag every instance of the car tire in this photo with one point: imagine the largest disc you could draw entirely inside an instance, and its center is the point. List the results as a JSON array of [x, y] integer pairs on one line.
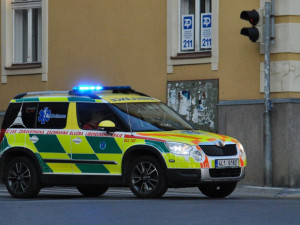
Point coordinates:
[[21, 178], [217, 190], [92, 191], [146, 178]]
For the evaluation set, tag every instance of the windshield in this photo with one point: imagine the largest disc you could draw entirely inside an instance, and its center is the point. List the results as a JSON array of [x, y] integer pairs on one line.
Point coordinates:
[[151, 117]]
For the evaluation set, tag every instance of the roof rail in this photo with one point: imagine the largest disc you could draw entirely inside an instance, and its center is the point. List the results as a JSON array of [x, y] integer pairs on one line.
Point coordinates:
[[91, 95], [18, 96]]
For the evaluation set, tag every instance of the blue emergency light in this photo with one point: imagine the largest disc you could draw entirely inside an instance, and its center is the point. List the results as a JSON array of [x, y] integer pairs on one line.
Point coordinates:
[[86, 88], [91, 91]]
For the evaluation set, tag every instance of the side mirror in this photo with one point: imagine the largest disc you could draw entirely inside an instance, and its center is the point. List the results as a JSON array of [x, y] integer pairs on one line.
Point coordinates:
[[107, 125]]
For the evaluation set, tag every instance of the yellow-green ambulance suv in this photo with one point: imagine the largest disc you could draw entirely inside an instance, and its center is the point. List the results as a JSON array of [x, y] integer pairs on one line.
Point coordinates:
[[95, 137]]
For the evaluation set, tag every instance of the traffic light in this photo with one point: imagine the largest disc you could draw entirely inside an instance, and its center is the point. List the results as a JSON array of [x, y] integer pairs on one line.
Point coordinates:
[[255, 18]]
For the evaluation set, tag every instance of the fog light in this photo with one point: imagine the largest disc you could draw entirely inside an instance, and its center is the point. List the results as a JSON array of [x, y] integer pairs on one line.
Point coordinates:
[[197, 156]]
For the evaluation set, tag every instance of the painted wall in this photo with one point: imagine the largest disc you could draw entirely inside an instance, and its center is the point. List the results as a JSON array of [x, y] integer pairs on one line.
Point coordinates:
[[124, 43], [108, 42]]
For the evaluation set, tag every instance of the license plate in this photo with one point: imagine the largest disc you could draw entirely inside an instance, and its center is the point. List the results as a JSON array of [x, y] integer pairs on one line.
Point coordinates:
[[227, 163]]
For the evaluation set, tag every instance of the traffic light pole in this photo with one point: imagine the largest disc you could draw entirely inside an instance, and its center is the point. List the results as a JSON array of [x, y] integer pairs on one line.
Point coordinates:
[[254, 33], [268, 179]]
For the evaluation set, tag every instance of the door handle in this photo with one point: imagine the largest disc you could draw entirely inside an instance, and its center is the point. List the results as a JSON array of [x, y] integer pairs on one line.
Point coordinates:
[[77, 140], [34, 139]]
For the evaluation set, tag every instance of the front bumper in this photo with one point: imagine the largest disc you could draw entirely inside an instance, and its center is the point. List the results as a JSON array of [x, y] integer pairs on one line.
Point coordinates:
[[194, 177]]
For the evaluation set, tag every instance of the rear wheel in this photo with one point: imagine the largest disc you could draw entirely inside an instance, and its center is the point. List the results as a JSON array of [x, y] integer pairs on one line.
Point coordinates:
[[217, 190], [92, 191], [21, 178], [146, 178]]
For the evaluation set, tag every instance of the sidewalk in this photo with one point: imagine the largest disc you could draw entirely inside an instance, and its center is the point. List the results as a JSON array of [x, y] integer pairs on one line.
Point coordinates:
[[266, 192], [246, 191]]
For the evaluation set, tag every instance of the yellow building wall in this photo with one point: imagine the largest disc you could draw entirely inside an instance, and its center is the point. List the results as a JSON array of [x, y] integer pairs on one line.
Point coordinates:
[[108, 42], [105, 42], [124, 43]]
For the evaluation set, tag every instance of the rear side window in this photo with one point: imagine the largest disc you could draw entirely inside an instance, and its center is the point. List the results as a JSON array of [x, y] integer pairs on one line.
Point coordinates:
[[20, 115], [52, 115], [10, 115], [29, 111]]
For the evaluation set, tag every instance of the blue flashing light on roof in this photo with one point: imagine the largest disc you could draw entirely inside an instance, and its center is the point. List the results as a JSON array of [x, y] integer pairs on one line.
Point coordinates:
[[85, 88], [91, 91]]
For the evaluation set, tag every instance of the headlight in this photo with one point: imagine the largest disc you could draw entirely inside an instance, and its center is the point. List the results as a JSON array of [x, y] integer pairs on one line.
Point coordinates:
[[179, 148]]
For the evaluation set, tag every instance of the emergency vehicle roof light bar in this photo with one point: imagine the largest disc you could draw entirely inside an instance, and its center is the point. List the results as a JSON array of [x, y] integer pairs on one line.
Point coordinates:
[[85, 88], [80, 90]]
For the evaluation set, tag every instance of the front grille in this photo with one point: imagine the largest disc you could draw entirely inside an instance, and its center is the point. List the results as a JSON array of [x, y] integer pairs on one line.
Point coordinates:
[[214, 150], [229, 172]]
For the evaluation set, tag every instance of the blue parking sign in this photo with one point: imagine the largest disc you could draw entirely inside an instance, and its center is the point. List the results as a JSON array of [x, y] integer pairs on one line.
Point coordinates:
[[187, 34], [206, 30], [206, 20], [187, 22]]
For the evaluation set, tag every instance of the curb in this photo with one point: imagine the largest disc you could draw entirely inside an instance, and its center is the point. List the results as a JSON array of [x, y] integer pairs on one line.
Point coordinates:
[[266, 192]]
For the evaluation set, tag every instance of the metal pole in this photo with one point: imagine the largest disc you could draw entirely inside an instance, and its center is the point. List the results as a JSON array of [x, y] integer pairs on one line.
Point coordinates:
[[272, 21], [268, 104]]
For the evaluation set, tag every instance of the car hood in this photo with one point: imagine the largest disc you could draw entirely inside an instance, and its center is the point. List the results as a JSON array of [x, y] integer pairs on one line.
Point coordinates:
[[194, 137]]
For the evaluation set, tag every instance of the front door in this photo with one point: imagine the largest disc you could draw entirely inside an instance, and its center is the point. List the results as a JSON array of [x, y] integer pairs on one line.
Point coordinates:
[[95, 151]]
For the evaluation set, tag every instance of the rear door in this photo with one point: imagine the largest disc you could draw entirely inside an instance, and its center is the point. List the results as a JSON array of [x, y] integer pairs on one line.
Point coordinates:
[[51, 139]]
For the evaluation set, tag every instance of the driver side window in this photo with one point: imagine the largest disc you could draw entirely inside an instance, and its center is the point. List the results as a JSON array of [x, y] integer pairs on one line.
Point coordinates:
[[89, 116]]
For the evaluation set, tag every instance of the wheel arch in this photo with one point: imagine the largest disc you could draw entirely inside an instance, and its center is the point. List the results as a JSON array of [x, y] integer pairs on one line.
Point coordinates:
[[14, 152], [141, 150]]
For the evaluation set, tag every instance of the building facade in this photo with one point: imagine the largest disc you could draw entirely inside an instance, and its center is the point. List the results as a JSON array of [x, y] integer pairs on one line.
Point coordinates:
[[189, 53]]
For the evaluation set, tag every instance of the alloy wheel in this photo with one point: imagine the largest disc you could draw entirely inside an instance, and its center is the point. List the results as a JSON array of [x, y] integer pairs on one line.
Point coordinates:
[[145, 177], [19, 177]]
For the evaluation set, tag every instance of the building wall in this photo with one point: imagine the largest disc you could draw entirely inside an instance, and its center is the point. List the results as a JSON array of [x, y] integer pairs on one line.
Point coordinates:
[[244, 120], [124, 43], [106, 42]]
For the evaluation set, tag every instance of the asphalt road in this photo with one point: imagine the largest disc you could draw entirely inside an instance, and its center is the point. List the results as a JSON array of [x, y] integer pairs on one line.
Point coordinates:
[[119, 206]]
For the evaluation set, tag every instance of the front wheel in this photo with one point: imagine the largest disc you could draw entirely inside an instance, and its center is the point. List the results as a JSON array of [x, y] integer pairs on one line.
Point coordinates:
[[92, 191], [217, 190], [146, 178], [21, 178]]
